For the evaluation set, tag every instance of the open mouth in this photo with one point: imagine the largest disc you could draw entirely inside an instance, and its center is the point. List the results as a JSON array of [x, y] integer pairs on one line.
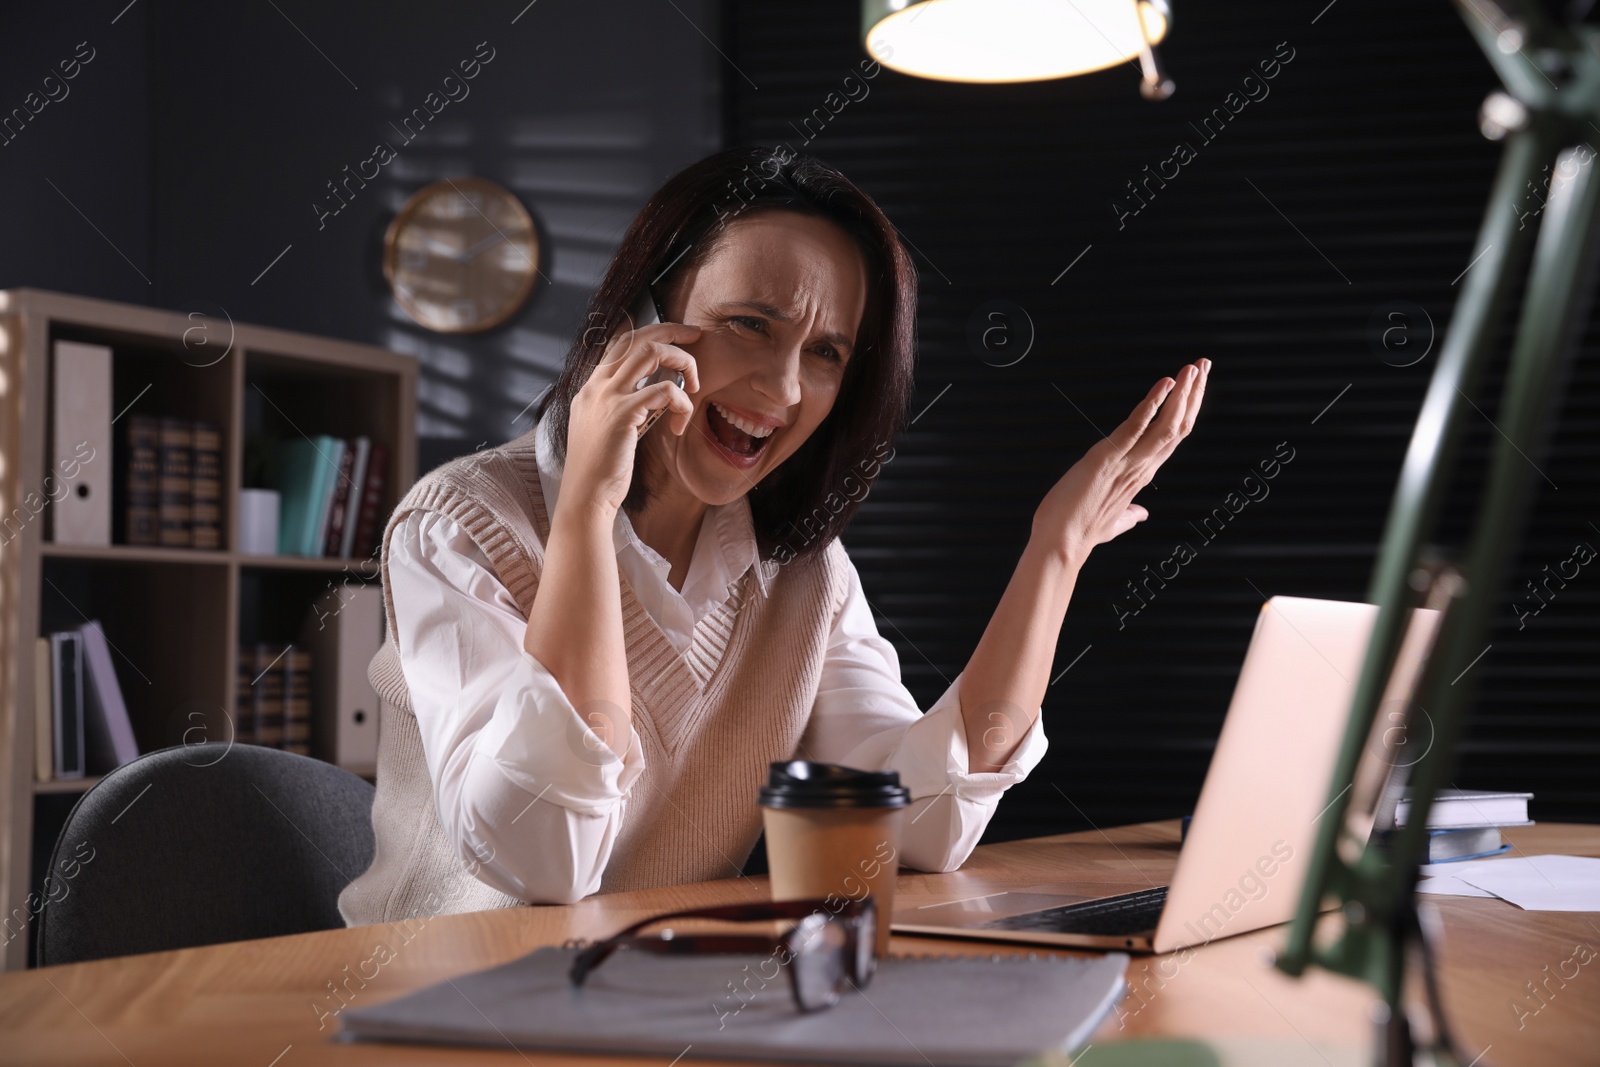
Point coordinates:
[[742, 446]]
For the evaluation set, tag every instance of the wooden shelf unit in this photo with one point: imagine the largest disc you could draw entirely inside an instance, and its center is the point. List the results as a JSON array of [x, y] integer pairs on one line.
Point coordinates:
[[174, 616]]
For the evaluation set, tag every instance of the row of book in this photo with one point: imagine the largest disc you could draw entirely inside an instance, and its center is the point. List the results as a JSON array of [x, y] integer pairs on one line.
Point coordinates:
[[274, 697], [331, 491], [172, 482], [81, 723]]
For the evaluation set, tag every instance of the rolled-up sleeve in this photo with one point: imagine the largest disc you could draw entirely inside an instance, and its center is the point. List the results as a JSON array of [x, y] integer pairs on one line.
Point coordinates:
[[865, 717], [531, 798]]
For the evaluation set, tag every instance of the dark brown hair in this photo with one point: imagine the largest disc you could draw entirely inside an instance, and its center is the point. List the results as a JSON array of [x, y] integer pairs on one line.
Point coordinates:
[[804, 503]]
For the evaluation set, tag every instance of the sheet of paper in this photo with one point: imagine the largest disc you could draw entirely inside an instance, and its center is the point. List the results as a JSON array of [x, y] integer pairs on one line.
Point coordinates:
[[1457, 868], [1451, 887], [1540, 883]]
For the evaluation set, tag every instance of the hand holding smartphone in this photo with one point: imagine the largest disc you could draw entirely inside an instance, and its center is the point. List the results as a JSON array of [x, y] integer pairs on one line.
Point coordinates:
[[647, 313]]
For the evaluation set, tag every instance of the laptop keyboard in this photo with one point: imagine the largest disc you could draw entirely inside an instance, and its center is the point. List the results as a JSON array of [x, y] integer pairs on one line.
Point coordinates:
[[1130, 913]]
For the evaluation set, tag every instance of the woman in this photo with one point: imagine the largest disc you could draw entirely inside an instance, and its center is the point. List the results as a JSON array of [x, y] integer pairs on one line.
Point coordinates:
[[598, 639]]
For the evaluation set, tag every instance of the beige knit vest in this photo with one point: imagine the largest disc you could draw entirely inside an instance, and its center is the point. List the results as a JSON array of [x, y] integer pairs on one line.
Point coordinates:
[[710, 719]]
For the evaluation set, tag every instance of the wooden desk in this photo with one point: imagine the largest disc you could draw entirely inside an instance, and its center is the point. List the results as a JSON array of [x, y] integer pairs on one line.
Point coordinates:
[[260, 1002]]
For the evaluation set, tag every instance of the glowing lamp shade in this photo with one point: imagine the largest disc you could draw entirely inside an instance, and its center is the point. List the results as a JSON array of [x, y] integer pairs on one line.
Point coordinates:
[[1008, 40]]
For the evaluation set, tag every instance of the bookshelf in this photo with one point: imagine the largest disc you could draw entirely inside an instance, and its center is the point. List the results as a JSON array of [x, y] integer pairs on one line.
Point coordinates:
[[175, 616]]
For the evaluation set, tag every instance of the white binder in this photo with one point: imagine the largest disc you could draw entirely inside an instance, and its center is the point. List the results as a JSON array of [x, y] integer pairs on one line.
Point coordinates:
[[107, 731], [80, 491], [344, 630]]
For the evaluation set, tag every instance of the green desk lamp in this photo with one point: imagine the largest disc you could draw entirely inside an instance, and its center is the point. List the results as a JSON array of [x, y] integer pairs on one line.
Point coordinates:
[[1550, 103], [1551, 75]]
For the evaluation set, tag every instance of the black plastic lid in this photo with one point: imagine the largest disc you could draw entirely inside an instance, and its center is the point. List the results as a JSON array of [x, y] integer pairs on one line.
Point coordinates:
[[804, 784]]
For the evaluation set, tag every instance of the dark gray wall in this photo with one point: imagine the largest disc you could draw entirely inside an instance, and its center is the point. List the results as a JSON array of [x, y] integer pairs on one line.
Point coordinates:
[[74, 178], [201, 135]]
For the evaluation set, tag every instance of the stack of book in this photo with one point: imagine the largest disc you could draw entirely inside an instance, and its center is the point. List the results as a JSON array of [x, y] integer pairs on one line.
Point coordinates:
[[1465, 824], [274, 697], [81, 723], [331, 492], [172, 482]]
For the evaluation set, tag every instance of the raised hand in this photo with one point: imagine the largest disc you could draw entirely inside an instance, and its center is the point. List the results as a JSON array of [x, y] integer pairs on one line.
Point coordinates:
[[1093, 501]]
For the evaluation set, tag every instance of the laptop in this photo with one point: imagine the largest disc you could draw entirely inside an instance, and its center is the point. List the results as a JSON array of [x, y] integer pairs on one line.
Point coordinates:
[[1242, 863]]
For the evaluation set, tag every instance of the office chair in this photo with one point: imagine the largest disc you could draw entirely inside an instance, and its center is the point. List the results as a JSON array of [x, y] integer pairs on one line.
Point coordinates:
[[197, 844]]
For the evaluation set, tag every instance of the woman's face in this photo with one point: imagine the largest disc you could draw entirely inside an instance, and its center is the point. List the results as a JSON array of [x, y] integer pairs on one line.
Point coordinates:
[[779, 301]]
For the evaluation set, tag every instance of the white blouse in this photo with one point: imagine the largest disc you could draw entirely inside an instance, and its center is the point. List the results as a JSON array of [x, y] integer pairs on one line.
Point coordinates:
[[537, 820]]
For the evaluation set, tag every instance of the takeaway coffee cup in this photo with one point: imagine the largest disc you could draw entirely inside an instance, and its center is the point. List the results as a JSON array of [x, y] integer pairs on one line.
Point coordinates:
[[833, 833]]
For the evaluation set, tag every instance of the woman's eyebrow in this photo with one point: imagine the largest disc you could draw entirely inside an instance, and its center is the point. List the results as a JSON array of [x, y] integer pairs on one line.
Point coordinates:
[[773, 312]]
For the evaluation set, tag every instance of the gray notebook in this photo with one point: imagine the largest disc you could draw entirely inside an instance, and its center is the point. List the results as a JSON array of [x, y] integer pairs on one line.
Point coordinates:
[[944, 1011]]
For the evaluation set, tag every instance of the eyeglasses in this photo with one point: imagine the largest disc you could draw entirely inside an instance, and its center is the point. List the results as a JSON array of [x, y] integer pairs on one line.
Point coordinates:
[[828, 947]]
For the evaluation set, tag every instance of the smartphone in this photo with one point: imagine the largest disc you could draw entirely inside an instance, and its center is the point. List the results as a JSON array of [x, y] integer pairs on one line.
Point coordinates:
[[646, 312]]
